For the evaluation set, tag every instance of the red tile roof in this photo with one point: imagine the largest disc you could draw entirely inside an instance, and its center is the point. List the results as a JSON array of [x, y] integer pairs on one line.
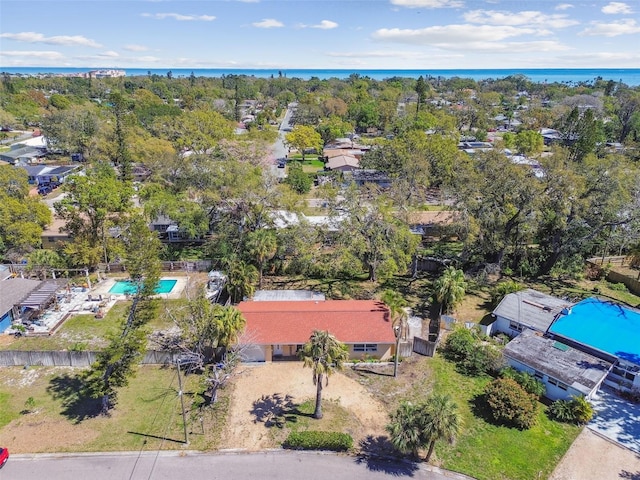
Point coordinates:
[[289, 323]]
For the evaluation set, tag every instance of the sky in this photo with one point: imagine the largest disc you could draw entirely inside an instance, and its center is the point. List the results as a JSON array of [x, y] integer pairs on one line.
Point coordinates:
[[320, 34]]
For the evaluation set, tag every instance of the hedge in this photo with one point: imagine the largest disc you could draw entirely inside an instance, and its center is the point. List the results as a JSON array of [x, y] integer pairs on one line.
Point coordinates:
[[312, 440]]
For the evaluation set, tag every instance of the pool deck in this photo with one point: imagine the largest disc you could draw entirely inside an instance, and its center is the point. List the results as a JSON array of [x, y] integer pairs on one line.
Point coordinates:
[[103, 288]]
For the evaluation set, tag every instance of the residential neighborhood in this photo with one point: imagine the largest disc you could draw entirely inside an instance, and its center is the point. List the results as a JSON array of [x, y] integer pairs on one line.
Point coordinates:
[[330, 264]]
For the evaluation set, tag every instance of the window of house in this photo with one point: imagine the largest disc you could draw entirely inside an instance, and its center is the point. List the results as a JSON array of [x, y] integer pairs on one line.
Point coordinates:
[[365, 347], [538, 375], [515, 326], [552, 381], [562, 386]]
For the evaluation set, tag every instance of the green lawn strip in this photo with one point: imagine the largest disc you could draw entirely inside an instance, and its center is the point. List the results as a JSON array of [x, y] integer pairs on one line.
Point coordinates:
[[489, 452], [7, 414]]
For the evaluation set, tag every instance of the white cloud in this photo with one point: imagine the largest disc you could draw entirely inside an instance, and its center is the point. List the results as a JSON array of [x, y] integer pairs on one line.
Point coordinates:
[[494, 17], [109, 54], [563, 6], [268, 23], [46, 55], [179, 17], [428, 3], [615, 8], [135, 48], [451, 34], [325, 25], [379, 54], [614, 29], [66, 40]]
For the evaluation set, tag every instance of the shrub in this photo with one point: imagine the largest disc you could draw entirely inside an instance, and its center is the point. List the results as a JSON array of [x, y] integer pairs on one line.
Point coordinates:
[[527, 381], [577, 410], [510, 404], [313, 440], [503, 288], [618, 287], [459, 344]]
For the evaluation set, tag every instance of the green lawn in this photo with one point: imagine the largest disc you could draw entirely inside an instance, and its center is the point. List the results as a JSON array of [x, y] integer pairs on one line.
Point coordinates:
[[147, 416], [489, 452]]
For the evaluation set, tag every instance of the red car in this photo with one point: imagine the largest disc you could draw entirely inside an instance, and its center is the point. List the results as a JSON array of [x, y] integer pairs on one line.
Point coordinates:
[[4, 456]]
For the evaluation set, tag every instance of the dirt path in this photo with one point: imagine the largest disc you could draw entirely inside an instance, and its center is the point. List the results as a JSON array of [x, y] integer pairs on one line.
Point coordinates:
[[280, 380], [591, 457]]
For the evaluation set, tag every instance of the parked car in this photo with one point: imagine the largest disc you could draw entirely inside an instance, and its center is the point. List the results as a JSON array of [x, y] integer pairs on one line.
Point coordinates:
[[4, 456], [282, 164]]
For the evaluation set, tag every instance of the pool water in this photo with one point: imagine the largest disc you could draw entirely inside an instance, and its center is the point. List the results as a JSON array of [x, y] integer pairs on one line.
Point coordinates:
[[123, 287]]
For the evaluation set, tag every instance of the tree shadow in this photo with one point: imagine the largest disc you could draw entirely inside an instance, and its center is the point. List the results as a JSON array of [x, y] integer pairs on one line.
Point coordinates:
[[380, 455], [629, 475], [275, 410], [360, 370], [75, 406]]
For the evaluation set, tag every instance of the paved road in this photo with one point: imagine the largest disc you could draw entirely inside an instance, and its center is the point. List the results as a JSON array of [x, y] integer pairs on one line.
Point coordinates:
[[277, 465]]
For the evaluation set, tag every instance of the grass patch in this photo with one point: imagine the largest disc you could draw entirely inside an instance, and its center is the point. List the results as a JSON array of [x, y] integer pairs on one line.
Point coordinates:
[[482, 450], [148, 414]]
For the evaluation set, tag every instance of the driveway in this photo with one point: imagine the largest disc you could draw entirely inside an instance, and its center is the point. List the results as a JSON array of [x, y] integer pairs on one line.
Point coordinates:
[[616, 419]]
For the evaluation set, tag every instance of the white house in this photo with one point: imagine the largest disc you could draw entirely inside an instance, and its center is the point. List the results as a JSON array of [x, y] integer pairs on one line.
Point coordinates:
[[564, 371], [525, 309]]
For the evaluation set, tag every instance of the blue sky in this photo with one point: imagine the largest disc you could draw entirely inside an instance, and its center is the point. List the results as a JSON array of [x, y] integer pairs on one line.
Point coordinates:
[[358, 34]]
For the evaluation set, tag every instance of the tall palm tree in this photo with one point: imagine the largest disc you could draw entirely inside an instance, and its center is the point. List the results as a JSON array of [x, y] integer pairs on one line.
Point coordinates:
[[449, 289], [262, 245], [396, 303], [325, 355], [441, 421]]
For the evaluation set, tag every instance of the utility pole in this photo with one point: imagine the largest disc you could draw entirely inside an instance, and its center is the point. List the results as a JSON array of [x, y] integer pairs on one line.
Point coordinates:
[[180, 394]]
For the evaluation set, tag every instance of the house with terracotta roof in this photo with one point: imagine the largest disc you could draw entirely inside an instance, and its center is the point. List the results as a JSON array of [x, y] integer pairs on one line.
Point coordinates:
[[343, 163], [278, 329]]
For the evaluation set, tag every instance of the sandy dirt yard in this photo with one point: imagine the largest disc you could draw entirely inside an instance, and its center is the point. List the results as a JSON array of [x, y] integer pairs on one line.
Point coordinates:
[[290, 381], [591, 457]]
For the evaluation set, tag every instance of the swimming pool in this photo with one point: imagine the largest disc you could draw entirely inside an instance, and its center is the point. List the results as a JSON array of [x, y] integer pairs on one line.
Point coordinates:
[[603, 325], [123, 287]]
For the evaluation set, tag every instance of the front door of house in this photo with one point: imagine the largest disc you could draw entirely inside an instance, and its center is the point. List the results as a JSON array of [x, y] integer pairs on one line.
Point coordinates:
[[277, 349]]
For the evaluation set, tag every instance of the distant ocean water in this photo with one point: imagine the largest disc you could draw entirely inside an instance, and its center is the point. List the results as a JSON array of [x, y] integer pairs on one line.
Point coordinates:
[[629, 76]]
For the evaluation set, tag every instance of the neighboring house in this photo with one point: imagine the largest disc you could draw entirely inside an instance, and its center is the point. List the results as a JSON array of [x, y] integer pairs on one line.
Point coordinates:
[[525, 309], [279, 329], [54, 233], [343, 163], [329, 153], [564, 371], [49, 174], [430, 222], [12, 292], [170, 232], [364, 176], [606, 330], [21, 155]]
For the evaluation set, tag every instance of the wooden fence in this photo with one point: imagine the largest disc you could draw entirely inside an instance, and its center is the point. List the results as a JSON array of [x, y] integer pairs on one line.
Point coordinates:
[[425, 347], [179, 266], [633, 284], [14, 358]]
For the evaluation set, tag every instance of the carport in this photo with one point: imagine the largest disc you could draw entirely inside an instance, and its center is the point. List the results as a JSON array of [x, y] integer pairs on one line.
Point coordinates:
[[616, 418]]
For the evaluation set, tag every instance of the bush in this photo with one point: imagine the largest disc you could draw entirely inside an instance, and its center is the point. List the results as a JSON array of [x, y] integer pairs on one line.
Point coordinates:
[[504, 288], [527, 381], [577, 410], [510, 404], [313, 440], [618, 287], [471, 356]]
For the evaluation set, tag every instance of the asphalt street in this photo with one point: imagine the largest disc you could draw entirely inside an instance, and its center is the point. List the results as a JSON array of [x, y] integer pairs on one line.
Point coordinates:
[[275, 465]]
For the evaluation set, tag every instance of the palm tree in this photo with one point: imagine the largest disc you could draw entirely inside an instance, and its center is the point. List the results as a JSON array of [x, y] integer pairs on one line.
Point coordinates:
[[262, 245], [406, 429], [450, 288], [325, 355], [241, 279], [229, 324], [396, 303], [441, 420], [413, 427]]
